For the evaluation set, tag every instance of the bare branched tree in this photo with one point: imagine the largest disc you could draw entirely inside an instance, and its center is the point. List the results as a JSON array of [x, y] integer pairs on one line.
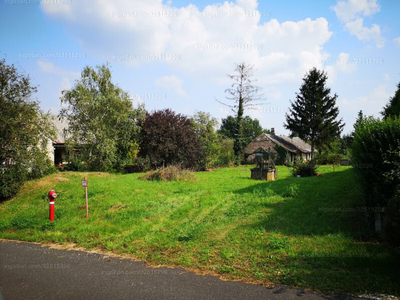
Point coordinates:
[[244, 95]]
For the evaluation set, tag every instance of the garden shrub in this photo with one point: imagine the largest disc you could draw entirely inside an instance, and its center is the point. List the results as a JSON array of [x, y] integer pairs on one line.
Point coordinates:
[[304, 168], [391, 224], [375, 154], [328, 158], [376, 161]]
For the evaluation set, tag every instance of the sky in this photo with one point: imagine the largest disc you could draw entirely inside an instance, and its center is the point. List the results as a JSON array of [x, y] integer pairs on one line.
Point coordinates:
[[178, 54]]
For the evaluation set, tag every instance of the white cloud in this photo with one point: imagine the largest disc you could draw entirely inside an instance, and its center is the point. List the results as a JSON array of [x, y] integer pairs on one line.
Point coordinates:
[[48, 67], [193, 41], [346, 11], [66, 77], [344, 64], [397, 40], [172, 83], [376, 99], [366, 34], [350, 13]]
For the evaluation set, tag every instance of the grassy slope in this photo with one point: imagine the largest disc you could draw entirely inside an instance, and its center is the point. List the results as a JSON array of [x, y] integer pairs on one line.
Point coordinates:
[[289, 231]]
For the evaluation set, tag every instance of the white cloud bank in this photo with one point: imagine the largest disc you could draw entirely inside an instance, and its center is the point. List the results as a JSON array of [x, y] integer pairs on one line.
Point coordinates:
[[65, 76], [376, 98], [350, 13], [203, 43]]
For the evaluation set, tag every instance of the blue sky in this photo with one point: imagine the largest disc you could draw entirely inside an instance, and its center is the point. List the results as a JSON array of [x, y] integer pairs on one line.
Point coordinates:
[[177, 54]]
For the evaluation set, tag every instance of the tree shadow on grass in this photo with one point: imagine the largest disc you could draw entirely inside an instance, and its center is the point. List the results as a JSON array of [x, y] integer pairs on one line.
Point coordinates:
[[321, 213], [310, 206]]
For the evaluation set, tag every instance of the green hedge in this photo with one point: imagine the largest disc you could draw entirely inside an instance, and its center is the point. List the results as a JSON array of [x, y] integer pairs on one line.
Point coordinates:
[[375, 157]]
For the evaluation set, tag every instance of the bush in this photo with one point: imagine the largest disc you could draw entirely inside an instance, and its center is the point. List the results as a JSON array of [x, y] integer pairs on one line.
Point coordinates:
[[227, 155], [328, 158], [391, 224], [11, 180], [304, 168], [77, 165], [374, 155], [170, 173]]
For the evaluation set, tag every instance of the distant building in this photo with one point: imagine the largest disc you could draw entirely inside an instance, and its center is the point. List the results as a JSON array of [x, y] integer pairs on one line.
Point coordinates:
[[296, 147], [57, 149]]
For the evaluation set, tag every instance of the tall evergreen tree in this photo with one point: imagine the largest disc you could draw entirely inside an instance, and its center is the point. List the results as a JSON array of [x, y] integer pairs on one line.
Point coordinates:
[[313, 115], [245, 95], [359, 119], [393, 107]]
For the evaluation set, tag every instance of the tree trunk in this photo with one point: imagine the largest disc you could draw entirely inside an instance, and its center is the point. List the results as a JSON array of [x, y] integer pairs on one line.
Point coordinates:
[[238, 130]]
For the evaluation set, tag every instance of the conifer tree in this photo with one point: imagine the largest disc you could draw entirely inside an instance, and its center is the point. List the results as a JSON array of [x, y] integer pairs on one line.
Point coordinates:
[[313, 115], [393, 107]]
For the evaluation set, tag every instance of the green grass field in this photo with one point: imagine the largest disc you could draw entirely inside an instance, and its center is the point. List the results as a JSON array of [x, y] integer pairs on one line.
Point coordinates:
[[302, 232]]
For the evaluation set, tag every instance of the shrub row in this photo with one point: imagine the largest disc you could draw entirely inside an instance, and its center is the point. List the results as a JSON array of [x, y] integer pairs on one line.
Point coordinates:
[[376, 161]]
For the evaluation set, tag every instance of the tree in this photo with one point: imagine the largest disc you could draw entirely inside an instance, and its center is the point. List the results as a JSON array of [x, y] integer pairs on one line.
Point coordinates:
[[313, 115], [393, 107], [211, 141], [245, 95], [168, 139], [101, 119], [251, 129], [24, 132], [359, 120]]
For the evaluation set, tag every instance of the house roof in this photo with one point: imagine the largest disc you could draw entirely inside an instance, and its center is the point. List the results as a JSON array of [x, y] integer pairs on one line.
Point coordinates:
[[294, 145]]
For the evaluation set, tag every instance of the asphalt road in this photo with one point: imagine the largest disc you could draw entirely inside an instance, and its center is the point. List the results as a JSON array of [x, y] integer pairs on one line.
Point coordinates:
[[30, 271]]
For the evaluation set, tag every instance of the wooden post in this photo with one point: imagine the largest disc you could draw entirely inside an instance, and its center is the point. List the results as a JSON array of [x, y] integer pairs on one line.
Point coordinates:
[[87, 205], [85, 184]]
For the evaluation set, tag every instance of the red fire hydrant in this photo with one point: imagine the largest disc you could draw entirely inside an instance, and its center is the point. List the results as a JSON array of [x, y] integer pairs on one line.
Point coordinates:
[[52, 196]]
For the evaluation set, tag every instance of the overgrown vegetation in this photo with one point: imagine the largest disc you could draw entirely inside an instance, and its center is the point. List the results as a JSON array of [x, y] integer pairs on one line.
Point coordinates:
[[304, 168], [304, 232], [24, 132], [170, 173]]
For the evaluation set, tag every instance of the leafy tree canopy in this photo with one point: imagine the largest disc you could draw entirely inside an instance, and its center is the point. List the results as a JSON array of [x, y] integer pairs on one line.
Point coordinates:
[[168, 139], [102, 119], [205, 126], [24, 132], [251, 129]]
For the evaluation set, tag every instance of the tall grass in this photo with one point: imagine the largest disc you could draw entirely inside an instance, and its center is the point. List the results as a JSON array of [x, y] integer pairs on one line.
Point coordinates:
[[170, 173]]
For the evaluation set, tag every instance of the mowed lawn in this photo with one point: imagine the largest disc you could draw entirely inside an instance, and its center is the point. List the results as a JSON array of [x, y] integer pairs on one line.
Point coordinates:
[[304, 232]]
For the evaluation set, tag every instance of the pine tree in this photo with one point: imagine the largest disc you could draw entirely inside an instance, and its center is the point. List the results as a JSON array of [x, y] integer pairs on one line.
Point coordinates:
[[393, 107], [313, 115]]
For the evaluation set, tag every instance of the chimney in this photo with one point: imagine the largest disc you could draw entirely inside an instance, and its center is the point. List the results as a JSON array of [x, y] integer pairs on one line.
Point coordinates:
[[272, 131]]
